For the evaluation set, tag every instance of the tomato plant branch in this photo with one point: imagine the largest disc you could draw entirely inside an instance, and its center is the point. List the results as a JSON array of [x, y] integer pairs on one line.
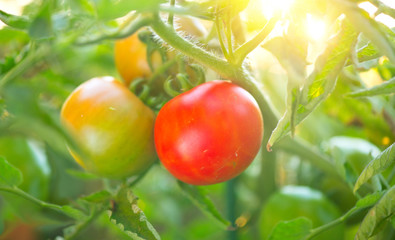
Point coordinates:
[[242, 52], [28, 62], [22, 194], [241, 77], [314, 232], [170, 19], [80, 227], [133, 24]]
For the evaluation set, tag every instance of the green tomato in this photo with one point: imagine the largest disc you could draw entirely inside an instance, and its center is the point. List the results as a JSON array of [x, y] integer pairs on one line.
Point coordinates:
[[296, 201]]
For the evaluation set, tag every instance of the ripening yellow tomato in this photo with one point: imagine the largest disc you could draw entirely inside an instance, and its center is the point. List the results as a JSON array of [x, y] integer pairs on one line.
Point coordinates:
[[131, 59], [112, 127]]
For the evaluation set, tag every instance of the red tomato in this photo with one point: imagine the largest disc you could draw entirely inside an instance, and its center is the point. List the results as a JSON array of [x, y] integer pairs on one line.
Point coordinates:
[[209, 134], [113, 128]]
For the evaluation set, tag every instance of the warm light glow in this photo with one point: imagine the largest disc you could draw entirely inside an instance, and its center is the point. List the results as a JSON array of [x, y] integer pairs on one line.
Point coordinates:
[[316, 28], [271, 7]]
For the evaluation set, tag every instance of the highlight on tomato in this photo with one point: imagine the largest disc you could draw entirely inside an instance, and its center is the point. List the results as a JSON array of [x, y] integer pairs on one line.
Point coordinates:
[[209, 134], [112, 128]]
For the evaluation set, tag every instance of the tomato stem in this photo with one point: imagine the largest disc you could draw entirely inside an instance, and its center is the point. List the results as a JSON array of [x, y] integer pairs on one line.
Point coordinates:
[[242, 52]]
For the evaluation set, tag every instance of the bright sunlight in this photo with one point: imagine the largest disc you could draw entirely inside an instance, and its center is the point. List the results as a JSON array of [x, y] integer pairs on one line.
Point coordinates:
[[315, 28]]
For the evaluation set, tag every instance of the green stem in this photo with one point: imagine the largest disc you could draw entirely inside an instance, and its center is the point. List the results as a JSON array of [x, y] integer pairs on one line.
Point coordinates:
[[231, 206], [382, 8], [86, 223], [314, 232], [170, 19], [220, 39], [134, 24], [28, 62], [229, 39], [242, 52], [161, 70], [22, 194]]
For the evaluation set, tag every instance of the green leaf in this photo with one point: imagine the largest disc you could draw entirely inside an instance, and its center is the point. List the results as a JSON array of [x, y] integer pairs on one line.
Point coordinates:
[[377, 215], [41, 26], [73, 212], [376, 166], [296, 229], [369, 200], [388, 87], [371, 29], [198, 196], [98, 197], [10, 176], [19, 22], [127, 215], [320, 82]]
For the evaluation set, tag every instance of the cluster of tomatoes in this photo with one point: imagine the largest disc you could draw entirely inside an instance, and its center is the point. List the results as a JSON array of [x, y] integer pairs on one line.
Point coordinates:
[[206, 135]]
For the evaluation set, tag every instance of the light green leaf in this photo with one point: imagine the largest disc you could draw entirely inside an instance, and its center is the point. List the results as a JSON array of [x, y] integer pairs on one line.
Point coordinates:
[[9, 175], [98, 197], [198, 196], [377, 215], [371, 29], [320, 83], [19, 22], [296, 229], [387, 87], [127, 215], [376, 166], [368, 200]]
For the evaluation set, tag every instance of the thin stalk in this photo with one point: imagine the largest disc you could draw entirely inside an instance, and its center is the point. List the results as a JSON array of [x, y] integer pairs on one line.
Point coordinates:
[[229, 39], [314, 232], [231, 206], [170, 19], [242, 52], [22, 194], [85, 224], [220, 39]]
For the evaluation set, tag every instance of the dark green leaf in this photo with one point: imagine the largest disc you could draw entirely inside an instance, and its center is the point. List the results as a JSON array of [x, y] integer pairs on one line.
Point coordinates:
[[41, 26], [376, 166], [98, 197], [198, 196], [127, 215], [296, 229], [388, 87], [10, 176], [321, 81], [377, 215], [20, 22]]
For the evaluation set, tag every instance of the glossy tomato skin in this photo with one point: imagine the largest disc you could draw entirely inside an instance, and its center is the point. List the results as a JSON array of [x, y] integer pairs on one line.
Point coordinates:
[[209, 134], [112, 127], [131, 59]]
